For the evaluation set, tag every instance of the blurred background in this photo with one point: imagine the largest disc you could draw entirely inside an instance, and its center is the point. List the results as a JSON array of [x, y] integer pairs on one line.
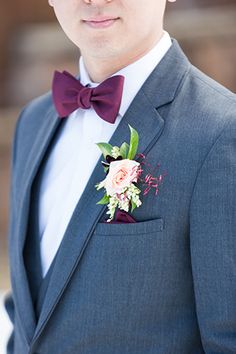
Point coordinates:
[[32, 46]]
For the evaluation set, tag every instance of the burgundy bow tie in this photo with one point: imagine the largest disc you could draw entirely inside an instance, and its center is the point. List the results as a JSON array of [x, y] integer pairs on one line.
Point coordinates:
[[69, 94]]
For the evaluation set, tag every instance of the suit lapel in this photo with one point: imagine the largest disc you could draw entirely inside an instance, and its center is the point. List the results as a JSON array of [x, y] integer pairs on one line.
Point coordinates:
[[159, 89], [21, 288]]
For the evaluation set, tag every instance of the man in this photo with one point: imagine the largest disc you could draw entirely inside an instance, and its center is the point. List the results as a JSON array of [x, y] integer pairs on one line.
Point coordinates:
[[165, 283]]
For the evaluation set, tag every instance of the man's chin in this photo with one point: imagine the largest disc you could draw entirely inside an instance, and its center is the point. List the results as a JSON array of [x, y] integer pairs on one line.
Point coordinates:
[[102, 50]]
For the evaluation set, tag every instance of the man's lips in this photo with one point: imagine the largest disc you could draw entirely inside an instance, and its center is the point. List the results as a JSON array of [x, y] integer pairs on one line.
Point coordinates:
[[100, 22]]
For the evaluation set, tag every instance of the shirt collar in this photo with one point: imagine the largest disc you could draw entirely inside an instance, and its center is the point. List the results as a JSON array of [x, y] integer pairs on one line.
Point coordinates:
[[133, 82]]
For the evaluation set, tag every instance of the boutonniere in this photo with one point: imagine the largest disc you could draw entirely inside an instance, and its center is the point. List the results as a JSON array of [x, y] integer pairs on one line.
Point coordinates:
[[124, 176]]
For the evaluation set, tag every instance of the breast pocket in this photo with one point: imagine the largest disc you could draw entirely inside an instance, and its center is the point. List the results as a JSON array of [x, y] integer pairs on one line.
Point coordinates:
[[130, 229]]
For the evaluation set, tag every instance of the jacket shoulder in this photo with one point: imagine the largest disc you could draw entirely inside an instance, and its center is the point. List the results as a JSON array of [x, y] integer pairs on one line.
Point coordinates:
[[31, 116], [30, 120], [35, 108], [210, 104], [203, 109], [212, 93]]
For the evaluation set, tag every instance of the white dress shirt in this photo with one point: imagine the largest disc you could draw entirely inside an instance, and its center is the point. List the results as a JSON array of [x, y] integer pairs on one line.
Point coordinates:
[[75, 154]]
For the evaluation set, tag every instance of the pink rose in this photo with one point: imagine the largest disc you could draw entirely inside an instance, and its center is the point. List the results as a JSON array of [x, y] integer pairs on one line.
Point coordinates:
[[121, 174]]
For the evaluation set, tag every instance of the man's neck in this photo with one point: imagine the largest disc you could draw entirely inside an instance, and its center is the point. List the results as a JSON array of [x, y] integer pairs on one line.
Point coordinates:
[[100, 69]]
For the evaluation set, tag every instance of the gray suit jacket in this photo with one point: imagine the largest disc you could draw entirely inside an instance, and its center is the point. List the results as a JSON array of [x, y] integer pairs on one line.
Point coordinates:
[[166, 284]]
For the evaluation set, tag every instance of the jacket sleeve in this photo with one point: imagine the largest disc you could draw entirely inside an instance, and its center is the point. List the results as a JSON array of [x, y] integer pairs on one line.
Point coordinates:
[[9, 306], [213, 244], [8, 301]]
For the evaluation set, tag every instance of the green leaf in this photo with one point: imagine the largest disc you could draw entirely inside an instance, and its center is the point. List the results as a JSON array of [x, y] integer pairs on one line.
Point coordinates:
[[105, 149], [105, 169], [133, 146], [105, 200], [133, 204], [124, 149]]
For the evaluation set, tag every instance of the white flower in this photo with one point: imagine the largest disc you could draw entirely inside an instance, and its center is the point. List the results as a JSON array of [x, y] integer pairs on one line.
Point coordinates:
[[115, 152]]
